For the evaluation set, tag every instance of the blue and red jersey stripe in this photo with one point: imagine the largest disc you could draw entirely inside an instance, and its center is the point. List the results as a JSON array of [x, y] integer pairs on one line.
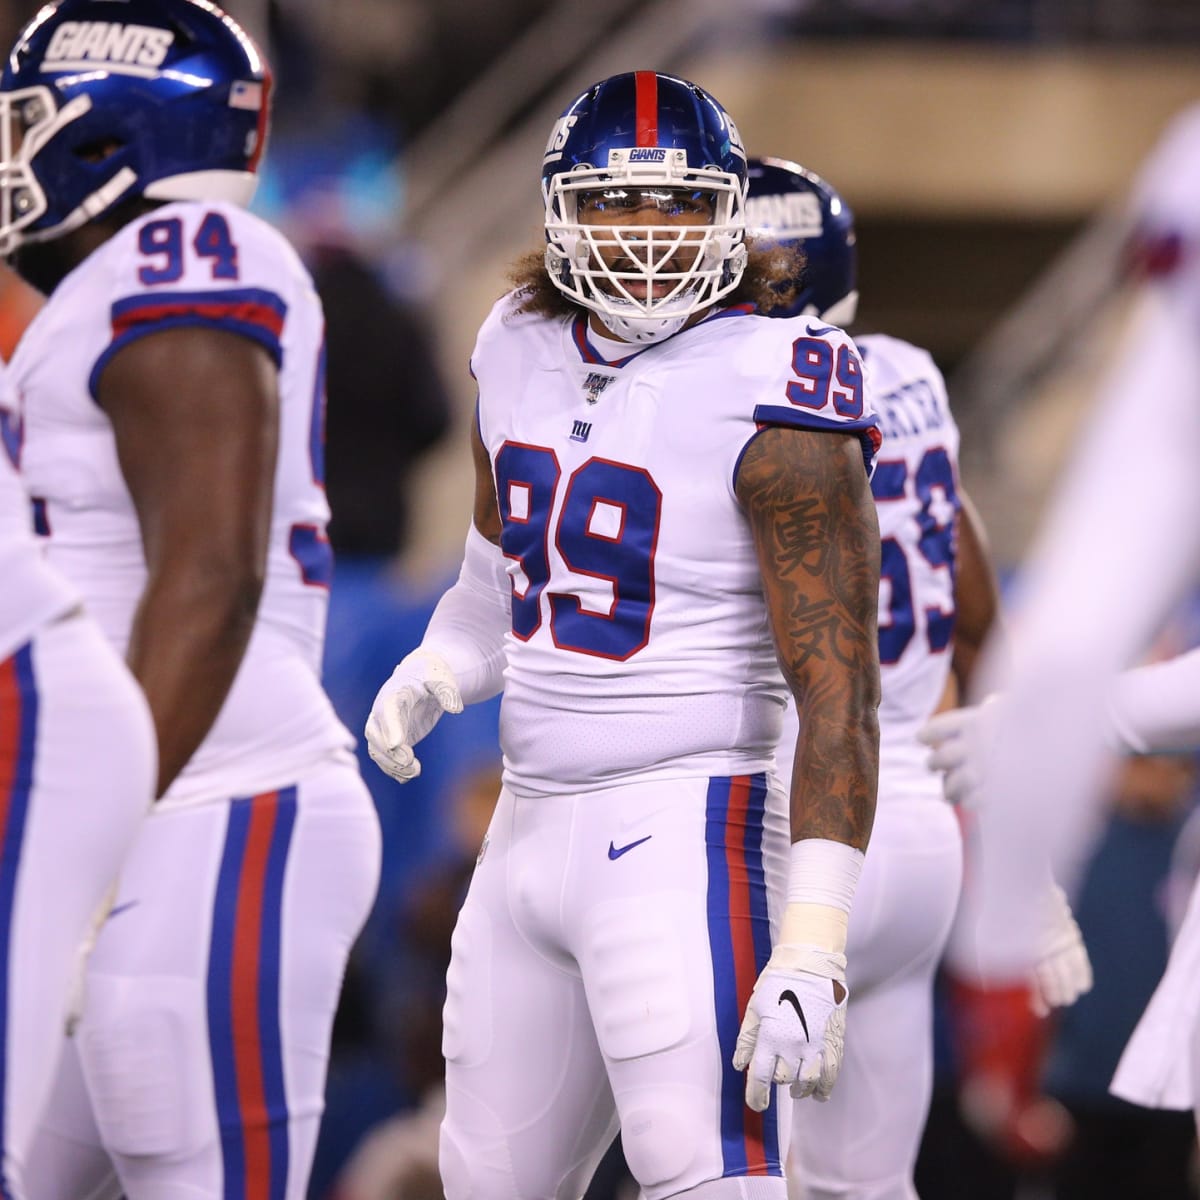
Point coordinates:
[[739, 930], [244, 997], [255, 313], [867, 429], [18, 741]]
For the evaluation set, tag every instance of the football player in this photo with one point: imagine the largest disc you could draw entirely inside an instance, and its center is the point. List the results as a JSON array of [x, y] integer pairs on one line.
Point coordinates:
[[1117, 552], [938, 600], [672, 491], [76, 778], [172, 391]]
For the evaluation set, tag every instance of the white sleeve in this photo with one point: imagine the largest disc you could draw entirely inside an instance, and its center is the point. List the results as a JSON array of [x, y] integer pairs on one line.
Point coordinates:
[[471, 620], [1119, 550], [1157, 707]]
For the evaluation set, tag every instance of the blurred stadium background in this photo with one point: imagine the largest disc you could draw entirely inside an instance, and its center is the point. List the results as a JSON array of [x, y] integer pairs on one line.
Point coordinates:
[[986, 147]]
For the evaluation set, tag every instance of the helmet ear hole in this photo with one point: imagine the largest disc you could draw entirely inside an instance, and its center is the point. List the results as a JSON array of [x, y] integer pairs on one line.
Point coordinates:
[[98, 150], [558, 268], [735, 265]]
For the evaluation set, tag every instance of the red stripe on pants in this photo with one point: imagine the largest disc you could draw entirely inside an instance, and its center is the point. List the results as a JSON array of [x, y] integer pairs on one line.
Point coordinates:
[[10, 738], [741, 931], [244, 989]]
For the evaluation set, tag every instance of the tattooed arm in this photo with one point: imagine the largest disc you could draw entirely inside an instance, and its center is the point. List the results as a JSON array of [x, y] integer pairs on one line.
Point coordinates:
[[814, 525], [817, 538]]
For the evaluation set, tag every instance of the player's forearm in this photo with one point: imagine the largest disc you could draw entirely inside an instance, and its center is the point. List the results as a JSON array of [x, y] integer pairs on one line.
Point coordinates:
[[189, 636], [817, 536], [837, 766], [825, 617]]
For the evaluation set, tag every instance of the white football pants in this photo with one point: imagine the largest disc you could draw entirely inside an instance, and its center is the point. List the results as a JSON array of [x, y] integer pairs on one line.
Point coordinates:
[[862, 1143], [198, 1070], [77, 769], [601, 965]]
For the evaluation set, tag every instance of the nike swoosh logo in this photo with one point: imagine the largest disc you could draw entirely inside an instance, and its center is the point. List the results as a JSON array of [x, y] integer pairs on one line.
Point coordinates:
[[120, 908], [823, 329], [792, 999], [615, 852]]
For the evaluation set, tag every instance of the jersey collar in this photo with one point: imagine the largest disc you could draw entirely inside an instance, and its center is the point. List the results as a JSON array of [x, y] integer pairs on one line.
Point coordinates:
[[590, 355]]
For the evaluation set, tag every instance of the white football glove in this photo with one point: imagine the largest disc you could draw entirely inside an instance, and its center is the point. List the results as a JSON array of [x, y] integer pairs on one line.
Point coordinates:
[[960, 739], [1063, 971], [795, 1025], [408, 706]]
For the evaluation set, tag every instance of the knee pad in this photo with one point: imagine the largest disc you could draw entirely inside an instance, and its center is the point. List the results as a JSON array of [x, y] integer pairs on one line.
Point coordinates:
[[454, 1168], [143, 1046], [475, 1167], [659, 1137], [739, 1187], [899, 1187]]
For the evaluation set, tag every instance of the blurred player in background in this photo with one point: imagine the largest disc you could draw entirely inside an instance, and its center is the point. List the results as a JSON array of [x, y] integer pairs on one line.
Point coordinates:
[[938, 600], [1117, 552], [670, 493], [172, 400], [76, 779]]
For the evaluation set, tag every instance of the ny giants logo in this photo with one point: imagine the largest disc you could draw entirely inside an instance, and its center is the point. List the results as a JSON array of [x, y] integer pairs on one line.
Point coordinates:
[[735, 139], [558, 138], [82, 43], [645, 154]]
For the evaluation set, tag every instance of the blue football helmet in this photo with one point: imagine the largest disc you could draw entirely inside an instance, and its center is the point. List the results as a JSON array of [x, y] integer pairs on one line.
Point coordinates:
[[636, 144], [104, 100], [797, 208]]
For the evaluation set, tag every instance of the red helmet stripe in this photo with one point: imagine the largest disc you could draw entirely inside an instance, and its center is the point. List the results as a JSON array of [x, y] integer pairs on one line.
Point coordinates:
[[647, 108]]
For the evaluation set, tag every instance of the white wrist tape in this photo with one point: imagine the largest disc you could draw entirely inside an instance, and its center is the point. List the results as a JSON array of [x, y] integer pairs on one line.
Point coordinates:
[[821, 885], [824, 872], [471, 619], [813, 925]]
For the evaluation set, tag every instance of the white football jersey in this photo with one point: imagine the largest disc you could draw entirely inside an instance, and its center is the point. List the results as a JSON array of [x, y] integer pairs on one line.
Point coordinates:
[[915, 486], [916, 495], [218, 266], [640, 646], [32, 594]]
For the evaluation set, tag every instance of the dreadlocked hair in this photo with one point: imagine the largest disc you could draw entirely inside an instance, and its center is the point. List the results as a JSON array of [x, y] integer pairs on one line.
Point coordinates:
[[772, 277]]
